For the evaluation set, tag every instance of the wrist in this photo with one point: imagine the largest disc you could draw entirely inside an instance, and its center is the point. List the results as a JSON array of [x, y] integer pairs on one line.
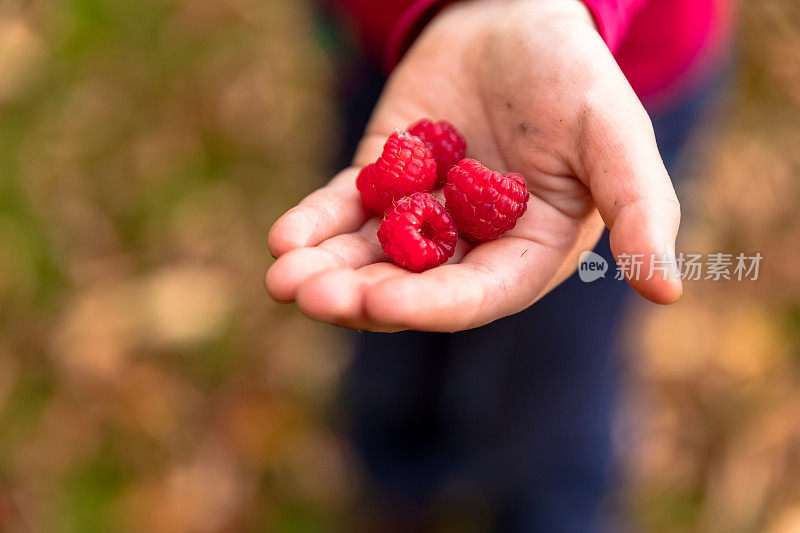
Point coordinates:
[[470, 13], [517, 12]]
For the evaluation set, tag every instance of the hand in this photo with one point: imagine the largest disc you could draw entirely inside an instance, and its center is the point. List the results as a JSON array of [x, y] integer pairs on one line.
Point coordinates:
[[534, 90]]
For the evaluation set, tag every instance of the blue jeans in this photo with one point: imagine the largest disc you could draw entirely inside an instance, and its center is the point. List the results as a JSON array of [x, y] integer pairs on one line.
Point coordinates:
[[509, 423]]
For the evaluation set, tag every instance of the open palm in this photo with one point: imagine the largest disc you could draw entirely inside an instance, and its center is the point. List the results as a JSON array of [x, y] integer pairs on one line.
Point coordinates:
[[534, 90]]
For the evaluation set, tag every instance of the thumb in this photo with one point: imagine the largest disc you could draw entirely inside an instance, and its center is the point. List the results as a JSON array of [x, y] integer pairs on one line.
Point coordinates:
[[632, 190]]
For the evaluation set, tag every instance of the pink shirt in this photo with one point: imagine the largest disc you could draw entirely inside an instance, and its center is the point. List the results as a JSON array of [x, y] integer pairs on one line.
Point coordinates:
[[664, 47]]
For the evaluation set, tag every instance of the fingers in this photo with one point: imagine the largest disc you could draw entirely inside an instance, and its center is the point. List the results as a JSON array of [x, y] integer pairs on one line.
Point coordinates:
[[351, 250], [490, 281], [332, 210], [337, 296], [494, 280], [632, 190]]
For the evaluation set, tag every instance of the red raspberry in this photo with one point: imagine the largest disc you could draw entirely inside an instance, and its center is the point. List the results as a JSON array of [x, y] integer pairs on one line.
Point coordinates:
[[484, 203], [444, 141], [405, 166], [418, 233]]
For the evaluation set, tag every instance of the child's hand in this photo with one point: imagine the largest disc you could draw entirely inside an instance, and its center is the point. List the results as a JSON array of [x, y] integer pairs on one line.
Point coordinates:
[[534, 90]]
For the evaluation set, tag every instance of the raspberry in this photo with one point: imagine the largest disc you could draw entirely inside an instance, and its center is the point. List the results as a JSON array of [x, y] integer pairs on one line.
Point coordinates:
[[418, 233], [405, 166], [484, 203], [444, 141]]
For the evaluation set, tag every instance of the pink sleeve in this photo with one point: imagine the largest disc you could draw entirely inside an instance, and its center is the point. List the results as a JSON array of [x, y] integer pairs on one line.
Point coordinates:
[[408, 27], [612, 18]]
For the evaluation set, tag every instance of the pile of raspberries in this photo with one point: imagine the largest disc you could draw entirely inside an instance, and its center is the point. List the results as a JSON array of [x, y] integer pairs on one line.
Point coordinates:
[[418, 232]]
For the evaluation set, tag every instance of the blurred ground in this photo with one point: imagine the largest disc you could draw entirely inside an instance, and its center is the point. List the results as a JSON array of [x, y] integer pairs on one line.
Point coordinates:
[[712, 437], [146, 383]]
